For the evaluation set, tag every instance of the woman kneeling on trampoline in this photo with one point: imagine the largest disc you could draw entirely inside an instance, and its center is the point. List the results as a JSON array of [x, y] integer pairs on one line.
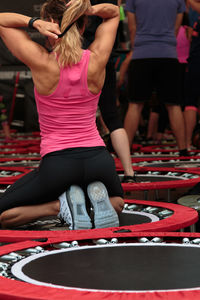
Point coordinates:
[[75, 164]]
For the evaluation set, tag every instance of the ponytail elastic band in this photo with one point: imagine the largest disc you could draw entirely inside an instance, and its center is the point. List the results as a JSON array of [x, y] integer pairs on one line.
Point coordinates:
[[66, 29]]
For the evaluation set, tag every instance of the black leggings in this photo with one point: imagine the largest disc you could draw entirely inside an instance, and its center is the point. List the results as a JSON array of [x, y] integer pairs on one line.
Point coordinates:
[[58, 171], [108, 98]]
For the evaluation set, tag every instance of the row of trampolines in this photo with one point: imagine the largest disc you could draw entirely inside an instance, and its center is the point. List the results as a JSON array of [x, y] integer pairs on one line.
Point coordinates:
[[153, 253]]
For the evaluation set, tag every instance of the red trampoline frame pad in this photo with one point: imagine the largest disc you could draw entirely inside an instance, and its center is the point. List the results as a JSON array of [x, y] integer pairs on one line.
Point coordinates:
[[162, 184], [137, 159], [15, 290], [182, 217]]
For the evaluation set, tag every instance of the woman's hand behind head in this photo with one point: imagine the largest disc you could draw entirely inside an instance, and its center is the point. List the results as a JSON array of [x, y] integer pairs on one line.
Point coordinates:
[[49, 29]]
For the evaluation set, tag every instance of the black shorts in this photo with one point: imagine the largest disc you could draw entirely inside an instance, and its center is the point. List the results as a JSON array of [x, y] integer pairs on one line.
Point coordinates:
[[148, 74], [58, 171], [192, 84]]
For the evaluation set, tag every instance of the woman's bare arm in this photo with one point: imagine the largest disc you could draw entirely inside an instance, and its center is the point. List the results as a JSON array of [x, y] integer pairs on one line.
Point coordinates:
[[19, 42], [106, 32]]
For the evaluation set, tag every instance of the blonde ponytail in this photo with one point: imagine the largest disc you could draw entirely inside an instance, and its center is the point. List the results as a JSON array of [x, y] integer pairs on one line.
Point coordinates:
[[68, 47]]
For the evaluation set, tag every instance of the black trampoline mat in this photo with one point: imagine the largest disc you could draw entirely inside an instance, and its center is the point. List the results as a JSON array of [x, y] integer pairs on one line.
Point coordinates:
[[124, 267], [135, 218], [53, 223], [156, 178]]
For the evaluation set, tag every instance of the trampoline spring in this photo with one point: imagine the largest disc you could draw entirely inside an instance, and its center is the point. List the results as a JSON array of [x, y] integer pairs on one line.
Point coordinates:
[[8, 258], [196, 241], [157, 240], [173, 174], [186, 175], [165, 213], [4, 265], [150, 209], [74, 244], [132, 207], [186, 241], [100, 242], [14, 254], [39, 249], [3, 274], [2, 268], [62, 245], [28, 251], [144, 240], [114, 241]]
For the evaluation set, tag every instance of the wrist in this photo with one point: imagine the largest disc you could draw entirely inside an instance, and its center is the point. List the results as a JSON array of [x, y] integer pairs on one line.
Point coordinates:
[[32, 21]]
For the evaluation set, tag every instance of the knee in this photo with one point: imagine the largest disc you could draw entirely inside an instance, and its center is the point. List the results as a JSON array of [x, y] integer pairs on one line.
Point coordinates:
[[3, 218], [7, 216]]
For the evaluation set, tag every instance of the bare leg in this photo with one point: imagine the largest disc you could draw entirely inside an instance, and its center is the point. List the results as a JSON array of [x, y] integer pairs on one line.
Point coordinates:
[[6, 130], [121, 145], [132, 120], [177, 124], [25, 214], [190, 116], [152, 125]]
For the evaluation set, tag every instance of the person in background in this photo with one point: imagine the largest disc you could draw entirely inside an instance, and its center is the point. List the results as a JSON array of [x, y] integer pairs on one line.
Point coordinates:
[[4, 121], [153, 26], [192, 76]]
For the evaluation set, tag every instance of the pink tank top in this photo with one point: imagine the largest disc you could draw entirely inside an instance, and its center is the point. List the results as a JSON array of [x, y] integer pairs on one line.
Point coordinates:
[[67, 117], [183, 45]]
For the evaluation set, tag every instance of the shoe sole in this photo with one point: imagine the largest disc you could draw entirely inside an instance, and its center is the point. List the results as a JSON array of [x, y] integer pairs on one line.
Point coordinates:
[[104, 213], [76, 200]]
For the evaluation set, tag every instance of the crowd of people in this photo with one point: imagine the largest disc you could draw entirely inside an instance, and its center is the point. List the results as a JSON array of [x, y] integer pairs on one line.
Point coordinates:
[[76, 75], [163, 69]]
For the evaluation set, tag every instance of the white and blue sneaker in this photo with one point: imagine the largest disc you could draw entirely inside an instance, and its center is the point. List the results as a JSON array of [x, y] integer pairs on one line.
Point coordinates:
[[104, 213], [76, 201], [65, 212]]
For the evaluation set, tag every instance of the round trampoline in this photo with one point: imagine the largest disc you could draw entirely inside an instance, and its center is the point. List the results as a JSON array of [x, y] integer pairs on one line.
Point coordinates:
[[9, 175], [146, 216], [172, 183], [154, 266]]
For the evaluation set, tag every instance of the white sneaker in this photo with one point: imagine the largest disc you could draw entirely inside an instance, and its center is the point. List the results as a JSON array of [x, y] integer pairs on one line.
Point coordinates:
[[76, 201], [65, 213], [104, 213]]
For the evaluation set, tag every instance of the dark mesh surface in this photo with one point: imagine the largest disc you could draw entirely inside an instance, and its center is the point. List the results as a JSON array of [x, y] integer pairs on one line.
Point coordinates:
[[120, 268]]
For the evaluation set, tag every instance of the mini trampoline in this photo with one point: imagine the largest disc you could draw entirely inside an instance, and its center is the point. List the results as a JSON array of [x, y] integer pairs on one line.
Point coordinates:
[[137, 216], [154, 266], [157, 179], [9, 175]]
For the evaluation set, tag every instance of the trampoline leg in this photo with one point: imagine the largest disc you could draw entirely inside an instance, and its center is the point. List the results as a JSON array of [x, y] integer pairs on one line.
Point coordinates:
[[193, 228], [168, 195], [157, 194], [146, 193]]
